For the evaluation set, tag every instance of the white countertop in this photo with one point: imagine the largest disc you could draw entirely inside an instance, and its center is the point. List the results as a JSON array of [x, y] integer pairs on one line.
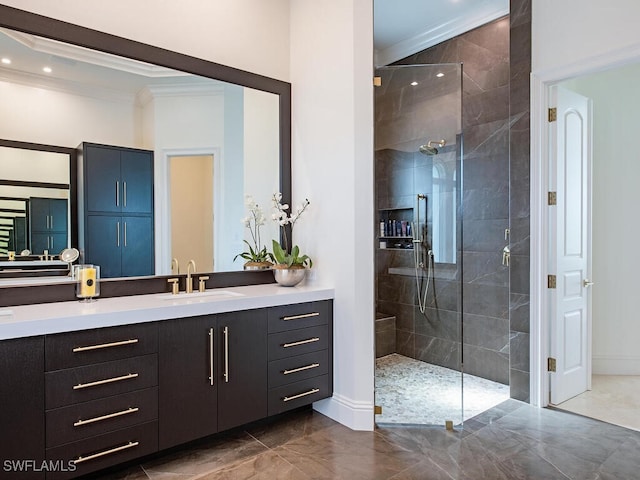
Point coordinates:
[[47, 318]]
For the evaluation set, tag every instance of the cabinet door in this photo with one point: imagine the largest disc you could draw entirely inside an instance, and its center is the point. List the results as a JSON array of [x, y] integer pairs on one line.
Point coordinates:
[[39, 214], [57, 242], [58, 215], [22, 412], [102, 244], [137, 246], [137, 181], [102, 179], [242, 376], [188, 385], [39, 242]]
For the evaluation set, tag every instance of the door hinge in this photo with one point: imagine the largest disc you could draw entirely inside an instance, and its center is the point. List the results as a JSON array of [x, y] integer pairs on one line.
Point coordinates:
[[553, 114], [552, 198], [551, 364], [551, 281], [377, 410], [377, 81]]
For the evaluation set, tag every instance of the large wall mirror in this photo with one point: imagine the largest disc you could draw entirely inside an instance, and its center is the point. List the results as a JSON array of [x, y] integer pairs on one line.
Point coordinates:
[[217, 133]]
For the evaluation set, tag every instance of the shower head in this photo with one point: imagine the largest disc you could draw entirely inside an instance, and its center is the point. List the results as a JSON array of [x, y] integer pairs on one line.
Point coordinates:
[[430, 149]]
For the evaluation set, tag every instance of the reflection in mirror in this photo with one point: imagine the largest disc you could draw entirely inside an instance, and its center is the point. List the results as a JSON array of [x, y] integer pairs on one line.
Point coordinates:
[[34, 201], [90, 96]]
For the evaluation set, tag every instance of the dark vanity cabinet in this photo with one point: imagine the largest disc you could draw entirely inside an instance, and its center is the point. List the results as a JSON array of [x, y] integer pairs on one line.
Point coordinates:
[[22, 413], [213, 374], [48, 219], [117, 201]]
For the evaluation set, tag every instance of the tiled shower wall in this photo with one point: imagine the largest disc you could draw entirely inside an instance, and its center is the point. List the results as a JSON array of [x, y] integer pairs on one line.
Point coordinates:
[[484, 53]]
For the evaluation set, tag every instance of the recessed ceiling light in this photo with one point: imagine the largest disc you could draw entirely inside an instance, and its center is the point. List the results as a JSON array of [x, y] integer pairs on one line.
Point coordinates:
[[6, 61], [413, 84], [46, 69], [440, 75]]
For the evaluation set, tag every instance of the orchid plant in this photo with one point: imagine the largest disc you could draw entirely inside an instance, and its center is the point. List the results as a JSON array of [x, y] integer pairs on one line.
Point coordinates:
[[281, 255], [257, 253]]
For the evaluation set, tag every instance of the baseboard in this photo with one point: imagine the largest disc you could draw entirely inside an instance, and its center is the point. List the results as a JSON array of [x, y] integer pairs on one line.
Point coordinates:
[[353, 414], [615, 365]]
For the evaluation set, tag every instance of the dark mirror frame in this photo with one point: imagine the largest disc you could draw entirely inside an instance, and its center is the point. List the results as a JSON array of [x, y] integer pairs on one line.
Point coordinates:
[[35, 24]]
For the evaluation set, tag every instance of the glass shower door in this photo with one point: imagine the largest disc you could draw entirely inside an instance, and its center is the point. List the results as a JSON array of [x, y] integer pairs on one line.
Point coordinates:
[[418, 161]]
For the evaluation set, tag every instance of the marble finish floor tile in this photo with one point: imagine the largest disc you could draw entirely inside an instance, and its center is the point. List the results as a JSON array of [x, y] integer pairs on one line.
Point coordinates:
[[414, 392], [512, 441], [612, 398]]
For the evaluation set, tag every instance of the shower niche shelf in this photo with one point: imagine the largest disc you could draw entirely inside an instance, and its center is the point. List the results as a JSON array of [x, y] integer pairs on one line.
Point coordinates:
[[395, 228]]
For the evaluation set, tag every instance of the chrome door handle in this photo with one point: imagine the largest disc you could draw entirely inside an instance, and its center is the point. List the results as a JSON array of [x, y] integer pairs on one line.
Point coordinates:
[[211, 356], [226, 354], [506, 255], [586, 283]]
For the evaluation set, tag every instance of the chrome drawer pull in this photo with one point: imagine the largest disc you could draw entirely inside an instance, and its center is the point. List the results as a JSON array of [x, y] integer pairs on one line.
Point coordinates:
[[106, 452], [310, 392], [79, 423], [211, 356], [295, 370], [226, 354], [301, 342], [304, 315], [102, 382], [105, 345]]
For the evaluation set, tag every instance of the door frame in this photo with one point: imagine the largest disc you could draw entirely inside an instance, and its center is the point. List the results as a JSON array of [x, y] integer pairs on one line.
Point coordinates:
[[163, 202], [540, 322]]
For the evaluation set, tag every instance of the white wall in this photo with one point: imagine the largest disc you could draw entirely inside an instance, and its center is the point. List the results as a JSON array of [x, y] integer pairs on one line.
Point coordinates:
[[331, 74], [569, 31], [616, 258]]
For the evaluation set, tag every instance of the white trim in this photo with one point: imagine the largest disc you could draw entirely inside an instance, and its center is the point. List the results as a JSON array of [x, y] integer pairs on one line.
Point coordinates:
[[354, 414], [541, 81], [163, 202], [616, 365], [436, 35]]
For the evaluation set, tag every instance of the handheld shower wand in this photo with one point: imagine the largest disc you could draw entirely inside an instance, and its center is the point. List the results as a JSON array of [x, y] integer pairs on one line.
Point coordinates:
[[418, 247]]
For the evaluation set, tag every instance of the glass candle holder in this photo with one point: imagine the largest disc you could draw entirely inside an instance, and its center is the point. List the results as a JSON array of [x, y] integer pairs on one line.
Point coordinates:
[[87, 282]]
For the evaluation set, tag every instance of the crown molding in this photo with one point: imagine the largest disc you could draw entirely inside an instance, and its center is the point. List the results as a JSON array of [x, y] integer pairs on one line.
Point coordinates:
[[436, 35], [204, 89]]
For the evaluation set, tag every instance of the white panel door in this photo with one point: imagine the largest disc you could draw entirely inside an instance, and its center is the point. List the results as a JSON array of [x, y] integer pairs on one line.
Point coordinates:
[[570, 245]]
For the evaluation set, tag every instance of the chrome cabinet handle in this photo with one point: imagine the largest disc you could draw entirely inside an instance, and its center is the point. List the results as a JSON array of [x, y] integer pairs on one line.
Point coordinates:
[[124, 188], [105, 345], [51, 223], [118, 234], [300, 369], [304, 315], [80, 386], [211, 356], [301, 342], [125, 234], [117, 193], [300, 395], [106, 452], [226, 354], [80, 423]]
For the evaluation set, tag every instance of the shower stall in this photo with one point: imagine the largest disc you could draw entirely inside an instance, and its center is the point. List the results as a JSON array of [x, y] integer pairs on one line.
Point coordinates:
[[420, 277]]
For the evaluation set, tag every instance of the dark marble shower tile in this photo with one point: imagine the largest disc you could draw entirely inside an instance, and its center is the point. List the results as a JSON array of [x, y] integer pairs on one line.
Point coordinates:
[[438, 351], [438, 323], [484, 235], [445, 52], [485, 268], [396, 288], [485, 203], [492, 37], [486, 171], [485, 53], [519, 237], [444, 294], [485, 107], [519, 316], [519, 13], [520, 274], [402, 312], [405, 343], [492, 415], [519, 385], [385, 334], [486, 332], [489, 364], [489, 300], [519, 348]]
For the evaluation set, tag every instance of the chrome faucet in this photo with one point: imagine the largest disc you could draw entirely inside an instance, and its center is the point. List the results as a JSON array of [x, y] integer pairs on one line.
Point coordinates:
[[189, 286], [174, 261]]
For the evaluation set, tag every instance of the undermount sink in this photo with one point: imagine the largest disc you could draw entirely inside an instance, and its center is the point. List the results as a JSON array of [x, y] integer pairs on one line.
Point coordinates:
[[197, 295]]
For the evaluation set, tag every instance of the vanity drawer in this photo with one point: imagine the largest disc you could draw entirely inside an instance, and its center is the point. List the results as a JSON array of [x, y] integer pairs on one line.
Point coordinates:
[[73, 349], [298, 342], [82, 384], [103, 451], [300, 367], [299, 315], [298, 394], [97, 417]]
